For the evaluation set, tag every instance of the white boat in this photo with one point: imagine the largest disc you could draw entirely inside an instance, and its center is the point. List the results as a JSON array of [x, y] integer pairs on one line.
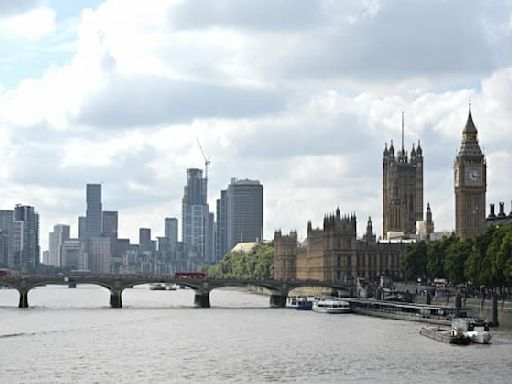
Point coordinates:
[[331, 306], [171, 287], [476, 330], [157, 287]]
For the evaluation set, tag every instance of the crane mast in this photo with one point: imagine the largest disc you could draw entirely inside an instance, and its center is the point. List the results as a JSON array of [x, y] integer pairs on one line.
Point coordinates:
[[206, 160]]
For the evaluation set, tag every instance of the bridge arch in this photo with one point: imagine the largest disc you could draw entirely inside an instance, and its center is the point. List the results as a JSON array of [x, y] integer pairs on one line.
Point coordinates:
[[66, 297]]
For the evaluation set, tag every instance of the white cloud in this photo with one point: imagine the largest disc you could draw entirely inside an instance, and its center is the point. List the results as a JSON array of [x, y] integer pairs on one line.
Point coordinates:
[[303, 104], [32, 24]]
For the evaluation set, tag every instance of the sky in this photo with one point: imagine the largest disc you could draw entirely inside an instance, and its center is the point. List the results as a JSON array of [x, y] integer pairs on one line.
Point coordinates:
[[300, 94]]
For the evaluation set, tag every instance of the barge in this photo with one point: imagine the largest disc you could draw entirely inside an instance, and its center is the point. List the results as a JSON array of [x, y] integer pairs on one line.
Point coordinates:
[[450, 336], [441, 315]]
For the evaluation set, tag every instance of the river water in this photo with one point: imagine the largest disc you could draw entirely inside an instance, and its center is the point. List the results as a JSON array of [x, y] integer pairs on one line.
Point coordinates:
[[73, 336]]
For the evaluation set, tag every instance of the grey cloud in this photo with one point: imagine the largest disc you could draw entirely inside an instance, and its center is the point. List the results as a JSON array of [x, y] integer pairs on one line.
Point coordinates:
[[14, 7], [247, 14], [146, 101], [411, 39], [39, 164]]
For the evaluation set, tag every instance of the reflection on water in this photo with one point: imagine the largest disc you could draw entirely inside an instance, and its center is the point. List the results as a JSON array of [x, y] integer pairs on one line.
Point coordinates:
[[72, 335]]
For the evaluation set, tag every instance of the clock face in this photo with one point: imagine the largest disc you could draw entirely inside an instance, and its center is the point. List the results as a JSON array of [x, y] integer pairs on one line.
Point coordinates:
[[473, 175]]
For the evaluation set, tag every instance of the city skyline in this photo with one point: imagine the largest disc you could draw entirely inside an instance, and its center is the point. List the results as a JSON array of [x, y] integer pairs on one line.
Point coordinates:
[[310, 124]]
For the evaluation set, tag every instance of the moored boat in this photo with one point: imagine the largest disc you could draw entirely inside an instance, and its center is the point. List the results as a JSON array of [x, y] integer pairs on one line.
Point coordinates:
[[302, 303], [451, 336], [476, 329], [331, 306], [171, 287], [157, 287]]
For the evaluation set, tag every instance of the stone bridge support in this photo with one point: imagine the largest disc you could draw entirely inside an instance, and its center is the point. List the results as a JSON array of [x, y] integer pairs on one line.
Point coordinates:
[[23, 303], [116, 298], [278, 300], [202, 299]]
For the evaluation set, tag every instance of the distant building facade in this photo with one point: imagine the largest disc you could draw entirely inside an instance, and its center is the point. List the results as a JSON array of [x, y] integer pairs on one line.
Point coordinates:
[[55, 240], [74, 255], [7, 227], [93, 212], [239, 215], [402, 189], [99, 254], [333, 252], [196, 221], [26, 238], [470, 184], [501, 218]]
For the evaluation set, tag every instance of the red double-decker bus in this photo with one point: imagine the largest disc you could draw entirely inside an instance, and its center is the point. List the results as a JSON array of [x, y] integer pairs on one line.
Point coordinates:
[[190, 275], [4, 272]]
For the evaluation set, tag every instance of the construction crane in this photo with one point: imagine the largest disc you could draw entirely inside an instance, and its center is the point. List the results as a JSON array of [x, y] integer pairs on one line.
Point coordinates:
[[206, 159]]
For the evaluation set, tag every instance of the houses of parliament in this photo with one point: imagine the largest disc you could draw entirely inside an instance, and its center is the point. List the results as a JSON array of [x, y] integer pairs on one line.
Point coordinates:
[[334, 252]]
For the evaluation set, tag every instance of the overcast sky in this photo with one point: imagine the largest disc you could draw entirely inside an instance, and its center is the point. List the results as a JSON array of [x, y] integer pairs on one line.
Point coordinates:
[[300, 94]]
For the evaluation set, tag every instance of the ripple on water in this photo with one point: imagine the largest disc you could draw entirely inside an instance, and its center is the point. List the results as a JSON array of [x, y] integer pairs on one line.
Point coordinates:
[[159, 337]]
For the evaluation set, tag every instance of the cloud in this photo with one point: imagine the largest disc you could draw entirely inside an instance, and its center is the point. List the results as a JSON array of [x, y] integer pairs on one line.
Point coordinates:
[[280, 15], [150, 100], [32, 24], [9, 7], [302, 99]]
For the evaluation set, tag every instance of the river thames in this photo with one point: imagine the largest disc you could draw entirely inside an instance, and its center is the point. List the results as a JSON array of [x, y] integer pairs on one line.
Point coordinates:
[[73, 336]]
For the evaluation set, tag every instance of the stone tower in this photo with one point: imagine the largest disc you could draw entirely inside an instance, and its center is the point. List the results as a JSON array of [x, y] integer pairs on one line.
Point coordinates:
[[402, 188], [285, 256], [429, 224], [470, 182]]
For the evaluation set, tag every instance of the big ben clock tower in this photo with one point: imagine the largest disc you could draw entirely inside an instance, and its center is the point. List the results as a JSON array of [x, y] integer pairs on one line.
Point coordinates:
[[470, 184]]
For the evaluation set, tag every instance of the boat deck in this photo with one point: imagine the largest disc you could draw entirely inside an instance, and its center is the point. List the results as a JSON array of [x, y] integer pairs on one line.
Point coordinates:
[[406, 311]]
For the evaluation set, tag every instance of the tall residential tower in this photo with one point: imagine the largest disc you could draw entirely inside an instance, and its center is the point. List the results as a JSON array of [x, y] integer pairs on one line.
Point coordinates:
[[196, 221]]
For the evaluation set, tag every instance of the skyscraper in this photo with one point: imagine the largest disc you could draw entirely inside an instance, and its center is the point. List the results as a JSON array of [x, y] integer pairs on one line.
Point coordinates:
[[109, 223], [82, 227], [402, 189], [93, 213], [244, 212], [221, 233], [195, 215], [7, 225], [56, 239], [171, 236], [145, 243], [239, 215], [26, 237], [171, 229], [470, 184]]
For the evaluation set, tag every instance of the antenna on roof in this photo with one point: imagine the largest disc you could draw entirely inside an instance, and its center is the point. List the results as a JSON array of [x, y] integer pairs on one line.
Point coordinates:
[[403, 148]]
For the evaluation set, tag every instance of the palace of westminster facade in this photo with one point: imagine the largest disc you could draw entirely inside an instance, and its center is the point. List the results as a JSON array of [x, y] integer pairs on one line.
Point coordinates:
[[334, 252]]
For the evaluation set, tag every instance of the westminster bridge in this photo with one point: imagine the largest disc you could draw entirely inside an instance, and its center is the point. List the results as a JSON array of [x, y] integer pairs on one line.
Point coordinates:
[[278, 290]]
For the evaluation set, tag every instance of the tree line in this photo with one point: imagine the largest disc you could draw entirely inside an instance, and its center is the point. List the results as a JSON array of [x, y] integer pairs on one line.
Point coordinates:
[[485, 260], [257, 264]]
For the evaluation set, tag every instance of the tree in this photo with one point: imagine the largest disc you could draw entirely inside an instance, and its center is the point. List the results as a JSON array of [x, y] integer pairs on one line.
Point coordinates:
[[413, 261], [257, 264], [454, 260], [435, 260]]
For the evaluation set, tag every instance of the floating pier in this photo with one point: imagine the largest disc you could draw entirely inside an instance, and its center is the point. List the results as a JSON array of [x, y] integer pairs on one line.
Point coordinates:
[[433, 314]]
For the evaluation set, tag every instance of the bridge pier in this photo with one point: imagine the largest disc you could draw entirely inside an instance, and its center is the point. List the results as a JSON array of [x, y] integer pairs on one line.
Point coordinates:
[[116, 298], [23, 303], [277, 301], [202, 299]]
